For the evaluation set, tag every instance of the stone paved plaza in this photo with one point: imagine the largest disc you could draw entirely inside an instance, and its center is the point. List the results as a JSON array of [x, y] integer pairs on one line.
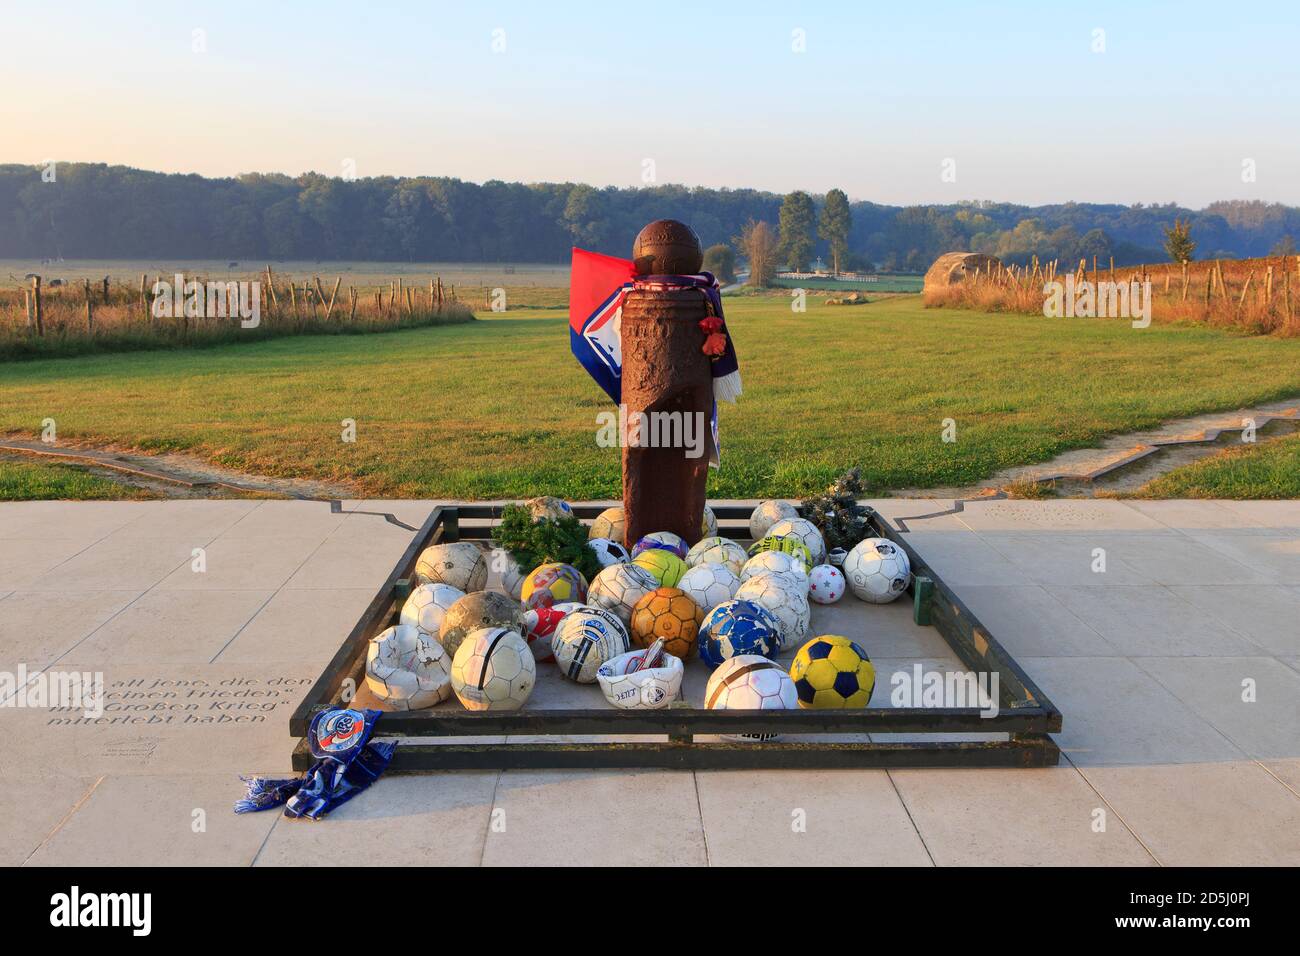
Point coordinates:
[[1177, 670]]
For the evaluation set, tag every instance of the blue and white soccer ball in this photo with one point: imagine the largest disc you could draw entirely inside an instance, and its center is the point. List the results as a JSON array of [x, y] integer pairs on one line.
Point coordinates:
[[608, 552], [738, 627], [662, 539]]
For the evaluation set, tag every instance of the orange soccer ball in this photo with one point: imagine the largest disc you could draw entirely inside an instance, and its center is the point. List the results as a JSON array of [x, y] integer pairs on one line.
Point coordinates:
[[671, 614]]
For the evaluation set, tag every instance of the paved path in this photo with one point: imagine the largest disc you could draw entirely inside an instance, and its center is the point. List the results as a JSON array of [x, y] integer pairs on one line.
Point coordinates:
[[1165, 762]]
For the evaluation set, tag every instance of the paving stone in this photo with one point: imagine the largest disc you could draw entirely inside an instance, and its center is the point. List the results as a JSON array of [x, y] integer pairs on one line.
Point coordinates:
[[160, 820], [26, 564], [243, 564], [1212, 687], [37, 627], [813, 818], [193, 520], [1179, 559], [1042, 817], [1116, 714], [400, 820], [30, 809], [298, 624], [1066, 558], [1151, 622], [116, 564], [1267, 615], [962, 558], [291, 519], [1228, 813], [532, 829], [85, 521], [1030, 622], [1074, 514], [1274, 557], [171, 627]]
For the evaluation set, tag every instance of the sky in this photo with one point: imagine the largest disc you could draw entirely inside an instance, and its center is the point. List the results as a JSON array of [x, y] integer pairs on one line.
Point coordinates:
[[901, 102]]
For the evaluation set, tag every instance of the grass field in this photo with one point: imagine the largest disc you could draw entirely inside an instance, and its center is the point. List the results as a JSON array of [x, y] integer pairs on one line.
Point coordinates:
[[500, 408], [1265, 470], [39, 481]]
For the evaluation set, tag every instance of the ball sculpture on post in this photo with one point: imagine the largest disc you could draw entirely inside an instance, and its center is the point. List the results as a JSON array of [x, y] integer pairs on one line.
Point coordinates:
[[666, 371]]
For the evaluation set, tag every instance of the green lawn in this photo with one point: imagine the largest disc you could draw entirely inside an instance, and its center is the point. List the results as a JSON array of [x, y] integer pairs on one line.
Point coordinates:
[[1268, 469], [39, 480], [500, 408]]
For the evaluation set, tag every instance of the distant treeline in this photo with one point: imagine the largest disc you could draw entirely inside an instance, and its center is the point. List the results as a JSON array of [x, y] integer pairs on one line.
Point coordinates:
[[94, 211]]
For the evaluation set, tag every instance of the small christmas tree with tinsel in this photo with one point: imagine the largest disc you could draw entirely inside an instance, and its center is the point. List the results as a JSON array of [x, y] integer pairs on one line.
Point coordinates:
[[533, 542], [836, 512]]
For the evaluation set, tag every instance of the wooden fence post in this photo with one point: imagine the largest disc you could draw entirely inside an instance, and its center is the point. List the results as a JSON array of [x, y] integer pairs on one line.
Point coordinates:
[[39, 312], [90, 310]]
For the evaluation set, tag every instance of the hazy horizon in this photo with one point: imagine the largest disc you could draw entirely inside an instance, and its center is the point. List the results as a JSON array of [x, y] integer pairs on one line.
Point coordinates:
[[1030, 104]]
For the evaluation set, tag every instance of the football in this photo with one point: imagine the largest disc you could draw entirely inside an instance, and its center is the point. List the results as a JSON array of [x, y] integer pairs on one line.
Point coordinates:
[[619, 587], [553, 584], [478, 610], [736, 628], [493, 670], [608, 524], [715, 550], [750, 682], [785, 597], [805, 531], [548, 508], [428, 605], [667, 613], [666, 567], [651, 688], [608, 552], [791, 546], [660, 540], [767, 514], [877, 570], [512, 575], [825, 584], [539, 624], [407, 669], [585, 639], [709, 523], [832, 671], [776, 562], [710, 584], [461, 564]]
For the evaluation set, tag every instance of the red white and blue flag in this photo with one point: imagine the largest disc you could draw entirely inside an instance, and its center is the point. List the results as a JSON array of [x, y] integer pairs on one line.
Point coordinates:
[[597, 288]]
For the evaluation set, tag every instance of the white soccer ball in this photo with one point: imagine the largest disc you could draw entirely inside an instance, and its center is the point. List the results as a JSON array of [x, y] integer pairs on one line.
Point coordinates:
[[407, 669], [608, 524], [585, 639], [776, 562], [767, 514], [877, 570], [825, 584], [717, 550], [548, 508], [512, 575], [805, 531], [428, 605], [651, 688], [493, 670], [608, 552], [709, 524], [710, 584], [619, 587], [785, 597], [750, 682], [461, 564]]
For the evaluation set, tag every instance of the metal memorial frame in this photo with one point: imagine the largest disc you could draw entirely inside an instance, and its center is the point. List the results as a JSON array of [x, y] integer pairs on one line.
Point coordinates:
[[1025, 714]]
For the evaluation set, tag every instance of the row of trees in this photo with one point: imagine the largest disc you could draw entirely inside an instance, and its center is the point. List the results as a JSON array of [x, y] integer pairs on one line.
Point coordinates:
[[94, 211]]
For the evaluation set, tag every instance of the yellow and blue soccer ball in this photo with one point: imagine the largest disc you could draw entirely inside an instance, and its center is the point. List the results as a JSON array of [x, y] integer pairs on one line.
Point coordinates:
[[553, 584], [831, 671], [666, 566], [738, 627]]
